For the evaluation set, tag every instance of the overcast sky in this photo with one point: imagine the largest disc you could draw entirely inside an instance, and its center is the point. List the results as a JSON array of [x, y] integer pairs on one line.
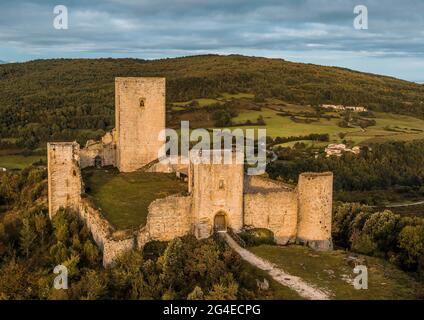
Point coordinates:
[[313, 31]]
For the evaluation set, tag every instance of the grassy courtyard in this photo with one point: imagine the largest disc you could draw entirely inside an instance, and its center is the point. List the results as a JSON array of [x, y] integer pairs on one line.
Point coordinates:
[[331, 272], [124, 198]]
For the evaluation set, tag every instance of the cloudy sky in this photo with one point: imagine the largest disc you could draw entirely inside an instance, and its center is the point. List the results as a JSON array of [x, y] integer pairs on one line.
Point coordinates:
[[313, 31]]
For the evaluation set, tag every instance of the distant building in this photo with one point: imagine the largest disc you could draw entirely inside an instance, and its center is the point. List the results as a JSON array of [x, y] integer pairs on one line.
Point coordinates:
[[339, 149], [356, 109], [343, 108]]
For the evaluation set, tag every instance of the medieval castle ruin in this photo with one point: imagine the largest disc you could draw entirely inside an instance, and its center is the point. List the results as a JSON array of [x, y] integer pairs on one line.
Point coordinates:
[[220, 196]]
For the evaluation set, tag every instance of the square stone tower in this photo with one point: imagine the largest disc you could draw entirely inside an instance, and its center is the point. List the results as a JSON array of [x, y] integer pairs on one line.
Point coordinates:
[[139, 118], [64, 181], [217, 191]]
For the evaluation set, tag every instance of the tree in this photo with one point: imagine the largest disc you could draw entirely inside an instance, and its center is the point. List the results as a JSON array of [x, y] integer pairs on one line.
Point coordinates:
[[173, 264], [382, 228], [226, 289], [411, 241], [27, 237], [196, 294], [41, 225]]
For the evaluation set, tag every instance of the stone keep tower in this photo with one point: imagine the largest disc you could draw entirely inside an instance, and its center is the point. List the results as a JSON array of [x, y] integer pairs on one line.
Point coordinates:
[[315, 201], [217, 191], [64, 181], [139, 118]]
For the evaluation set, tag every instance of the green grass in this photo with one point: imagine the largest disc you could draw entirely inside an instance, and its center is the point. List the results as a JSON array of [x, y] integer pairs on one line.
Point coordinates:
[[124, 198], [229, 96], [308, 143], [18, 161], [283, 126], [203, 102], [329, 271]]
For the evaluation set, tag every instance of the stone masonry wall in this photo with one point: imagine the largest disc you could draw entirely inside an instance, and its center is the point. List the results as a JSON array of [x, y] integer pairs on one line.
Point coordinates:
[[216, 188], [315, 197], [259, 184], [64, 176], [276, 211], [110, 242], [168, 218], [105, 149], [140, 117]]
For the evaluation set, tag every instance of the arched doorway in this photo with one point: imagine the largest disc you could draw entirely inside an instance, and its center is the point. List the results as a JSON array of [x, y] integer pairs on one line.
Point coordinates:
[[98, 162], [220, 222]]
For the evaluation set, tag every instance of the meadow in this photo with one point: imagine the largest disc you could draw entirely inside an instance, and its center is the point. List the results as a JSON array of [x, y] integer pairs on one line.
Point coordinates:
[[12, 162], [388, 127], [124, 198], [331, 271]]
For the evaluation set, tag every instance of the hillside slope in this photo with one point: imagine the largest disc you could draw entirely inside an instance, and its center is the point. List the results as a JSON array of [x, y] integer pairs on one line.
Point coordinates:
[[49, 99]]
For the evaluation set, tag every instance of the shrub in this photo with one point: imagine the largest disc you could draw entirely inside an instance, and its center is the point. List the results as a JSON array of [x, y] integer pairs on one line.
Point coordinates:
[[382, 228], [411, 241], [154, 249], [344, 215], [257, 236]]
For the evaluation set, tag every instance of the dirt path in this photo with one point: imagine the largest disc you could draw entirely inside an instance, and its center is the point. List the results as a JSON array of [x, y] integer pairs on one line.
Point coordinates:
[[304, 289], [400, 205]]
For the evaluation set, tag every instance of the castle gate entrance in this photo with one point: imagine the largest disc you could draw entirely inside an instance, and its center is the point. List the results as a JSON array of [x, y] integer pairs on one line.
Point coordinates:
[[98, 162], [220, 222]]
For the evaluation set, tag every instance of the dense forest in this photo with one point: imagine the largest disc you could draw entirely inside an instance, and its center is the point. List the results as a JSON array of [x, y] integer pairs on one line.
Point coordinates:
[[379, 166], [67, 99]]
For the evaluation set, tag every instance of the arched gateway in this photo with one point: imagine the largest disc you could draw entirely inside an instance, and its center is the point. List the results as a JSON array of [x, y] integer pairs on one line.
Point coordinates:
[[220, 222]]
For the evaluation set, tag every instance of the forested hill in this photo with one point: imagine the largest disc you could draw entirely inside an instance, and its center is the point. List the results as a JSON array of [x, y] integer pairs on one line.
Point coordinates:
[[47, 98]]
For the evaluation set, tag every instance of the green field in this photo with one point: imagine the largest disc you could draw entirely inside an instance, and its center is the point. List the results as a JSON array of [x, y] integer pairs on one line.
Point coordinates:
[[18, 161], [331, 272], [124, 198], [308, 143], [283, 126], [204, 102], [241, 95]]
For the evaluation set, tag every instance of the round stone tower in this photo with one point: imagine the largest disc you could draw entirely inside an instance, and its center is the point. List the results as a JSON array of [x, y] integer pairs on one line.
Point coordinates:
[[315, 197]]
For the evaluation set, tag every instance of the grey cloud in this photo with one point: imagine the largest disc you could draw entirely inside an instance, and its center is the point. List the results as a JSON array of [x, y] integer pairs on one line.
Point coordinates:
[[166, 28]]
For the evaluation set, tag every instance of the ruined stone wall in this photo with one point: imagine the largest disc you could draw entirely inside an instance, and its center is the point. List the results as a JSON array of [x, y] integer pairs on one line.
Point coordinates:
[[258, 184], [89, 153], [64, 176], [110, 242], [168, 218], [105, 149], [216, 188], [140, 117], [112, 249], [174, 164], [315, 196], [275, 210]]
